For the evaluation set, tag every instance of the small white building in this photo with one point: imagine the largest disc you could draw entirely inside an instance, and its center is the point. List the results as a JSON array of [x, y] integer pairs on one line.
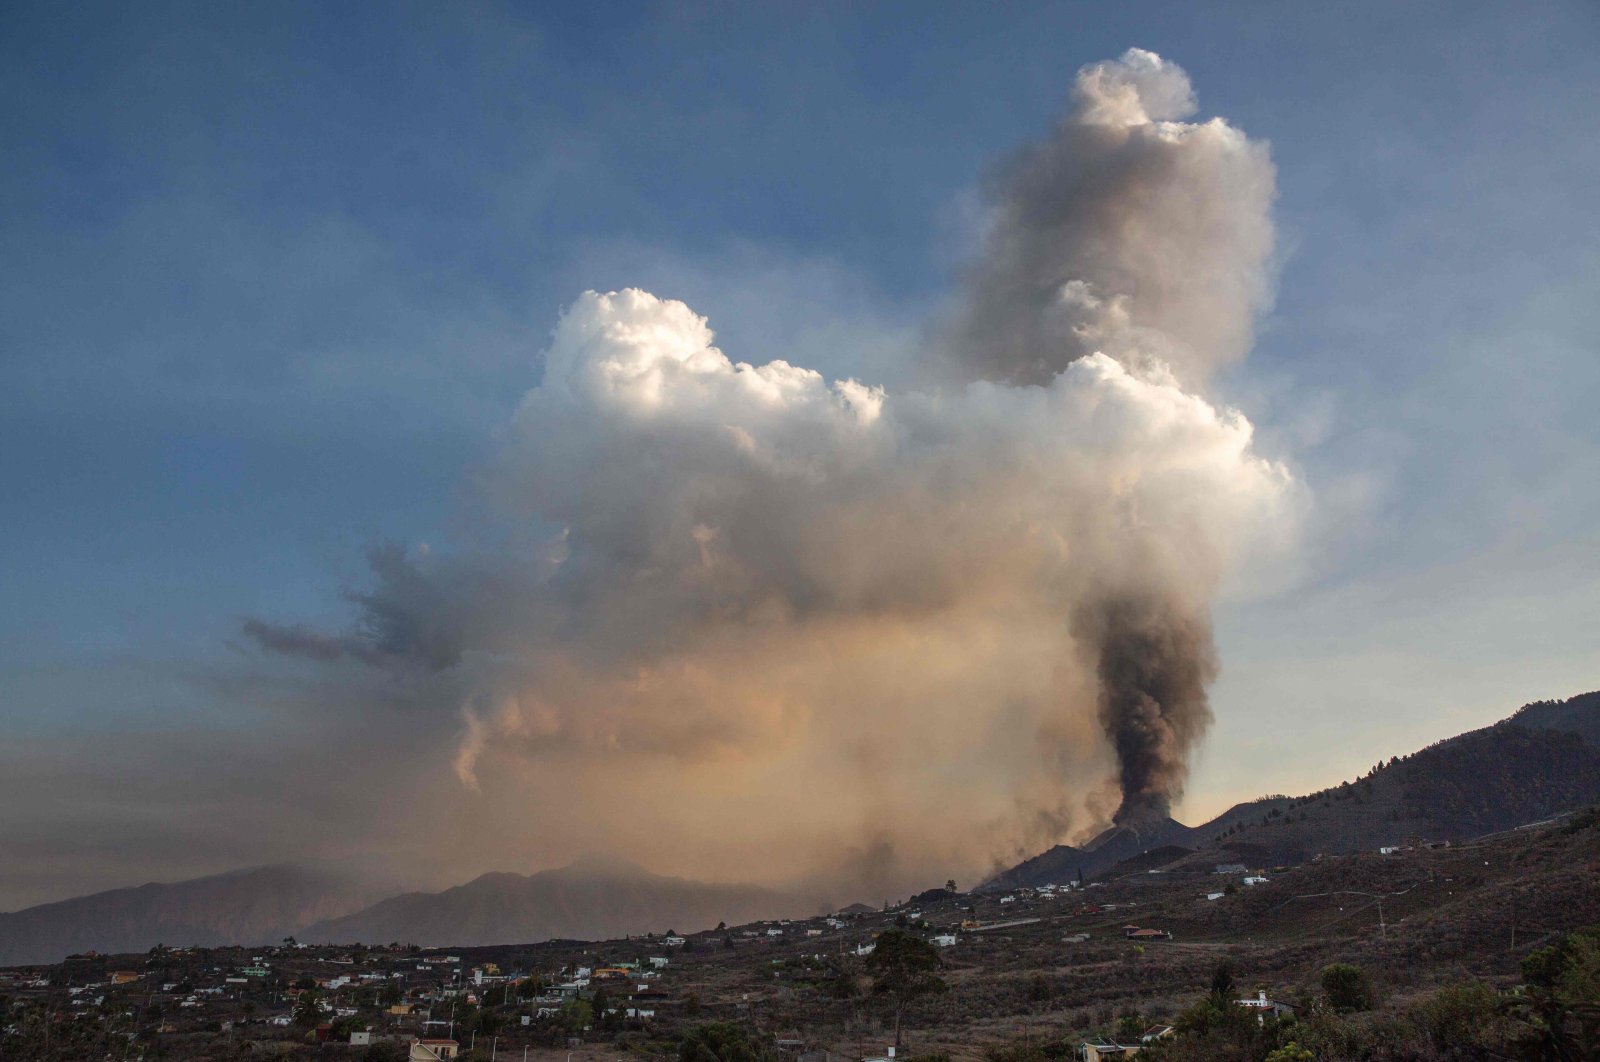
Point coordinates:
[[1264, 1006], [945, 940]]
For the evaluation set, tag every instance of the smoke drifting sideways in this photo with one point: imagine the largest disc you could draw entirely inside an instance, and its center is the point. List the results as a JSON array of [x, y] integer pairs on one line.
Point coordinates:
[[727, 616]]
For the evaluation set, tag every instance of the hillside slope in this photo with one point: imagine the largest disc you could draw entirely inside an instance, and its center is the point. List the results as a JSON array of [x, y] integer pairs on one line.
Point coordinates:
[[1543, 760], [1481, 782]]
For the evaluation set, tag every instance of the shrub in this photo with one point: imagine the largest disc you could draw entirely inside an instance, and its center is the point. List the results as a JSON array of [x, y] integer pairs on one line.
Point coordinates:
[[1461, 1018], [1347, 987]]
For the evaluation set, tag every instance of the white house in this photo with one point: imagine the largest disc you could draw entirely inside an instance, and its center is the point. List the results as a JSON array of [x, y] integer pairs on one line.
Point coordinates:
[[944, 940], [1264, 1006]]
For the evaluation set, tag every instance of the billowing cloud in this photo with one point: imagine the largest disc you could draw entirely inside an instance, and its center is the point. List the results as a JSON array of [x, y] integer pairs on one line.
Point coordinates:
[[773, 619]]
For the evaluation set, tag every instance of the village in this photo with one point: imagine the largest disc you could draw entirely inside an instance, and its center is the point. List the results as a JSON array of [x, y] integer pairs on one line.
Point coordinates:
[[444, 1004], [1099, 969]]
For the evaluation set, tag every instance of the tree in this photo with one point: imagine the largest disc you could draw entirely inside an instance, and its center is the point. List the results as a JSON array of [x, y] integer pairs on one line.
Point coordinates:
[[1563, 995], [307, 1013], [1347, 987], [391, 994], [904, 967], [575, 1016], [1222, 986]]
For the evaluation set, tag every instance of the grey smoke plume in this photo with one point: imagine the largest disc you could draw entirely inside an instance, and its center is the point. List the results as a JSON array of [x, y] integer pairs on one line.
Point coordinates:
[[1130, 233], [1126, 232], [725, 614], [1156, 659]]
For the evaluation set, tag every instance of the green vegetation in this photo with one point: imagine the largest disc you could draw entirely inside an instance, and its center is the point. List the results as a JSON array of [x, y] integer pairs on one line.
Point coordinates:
[[1347, 988], [1554, 1015], [721, 1042]]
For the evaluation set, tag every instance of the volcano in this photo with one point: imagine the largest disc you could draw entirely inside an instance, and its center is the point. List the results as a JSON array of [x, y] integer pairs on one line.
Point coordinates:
[[1065, 863]]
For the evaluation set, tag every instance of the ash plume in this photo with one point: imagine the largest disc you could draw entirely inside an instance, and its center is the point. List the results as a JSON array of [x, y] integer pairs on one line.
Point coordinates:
[[1127, 232], [1130, 233], [719, 613], [1155, 661]]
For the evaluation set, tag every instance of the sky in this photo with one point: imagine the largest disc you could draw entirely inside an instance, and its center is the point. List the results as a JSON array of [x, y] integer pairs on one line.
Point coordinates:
[[275, 284]]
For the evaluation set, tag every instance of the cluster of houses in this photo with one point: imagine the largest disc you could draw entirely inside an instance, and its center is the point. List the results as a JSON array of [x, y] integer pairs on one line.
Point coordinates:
[[412, 995], [365, 994]]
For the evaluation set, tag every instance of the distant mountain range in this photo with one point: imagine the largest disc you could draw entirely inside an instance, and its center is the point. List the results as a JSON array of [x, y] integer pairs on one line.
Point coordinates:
[[588, 900], [257, 906], [593, 899], [1543, 760]]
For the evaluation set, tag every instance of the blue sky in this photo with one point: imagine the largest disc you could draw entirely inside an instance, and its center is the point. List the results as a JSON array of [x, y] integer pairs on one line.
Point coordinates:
[[273, 278]]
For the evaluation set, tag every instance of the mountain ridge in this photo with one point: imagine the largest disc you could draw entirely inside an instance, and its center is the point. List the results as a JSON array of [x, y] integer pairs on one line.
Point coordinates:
[[570, 902], [251, 905]]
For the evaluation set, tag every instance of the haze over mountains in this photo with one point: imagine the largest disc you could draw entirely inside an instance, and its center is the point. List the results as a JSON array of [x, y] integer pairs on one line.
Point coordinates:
[[254, 906], [588, 900], [1543, 760], [591, 899]]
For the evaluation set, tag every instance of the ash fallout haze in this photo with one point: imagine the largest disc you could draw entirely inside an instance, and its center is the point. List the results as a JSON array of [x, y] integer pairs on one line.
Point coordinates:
[[487, 439]]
